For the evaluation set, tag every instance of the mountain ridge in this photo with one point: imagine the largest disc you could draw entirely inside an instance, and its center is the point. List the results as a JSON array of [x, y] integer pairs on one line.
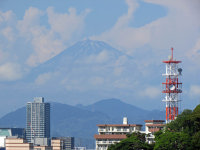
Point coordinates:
[[68, 120], [101, 108]]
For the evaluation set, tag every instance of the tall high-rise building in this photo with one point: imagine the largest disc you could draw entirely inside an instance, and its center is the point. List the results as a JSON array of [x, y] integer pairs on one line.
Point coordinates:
[[37, 120]]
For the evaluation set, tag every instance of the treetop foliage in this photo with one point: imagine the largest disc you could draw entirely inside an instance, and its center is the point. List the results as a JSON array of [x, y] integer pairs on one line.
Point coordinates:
[[182, 133]]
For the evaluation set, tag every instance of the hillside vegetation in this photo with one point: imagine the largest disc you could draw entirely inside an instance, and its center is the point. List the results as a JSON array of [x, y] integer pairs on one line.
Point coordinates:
[[181, 134]]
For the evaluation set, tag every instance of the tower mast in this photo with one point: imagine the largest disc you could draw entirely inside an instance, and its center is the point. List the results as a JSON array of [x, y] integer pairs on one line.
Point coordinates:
[[172, 87]]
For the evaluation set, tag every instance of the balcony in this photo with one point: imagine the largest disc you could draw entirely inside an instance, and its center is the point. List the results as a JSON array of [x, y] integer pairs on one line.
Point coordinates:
[[115, 130], [107, 142]]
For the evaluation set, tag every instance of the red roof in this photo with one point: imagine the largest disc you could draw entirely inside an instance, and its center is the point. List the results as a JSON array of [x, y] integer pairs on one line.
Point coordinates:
[[154, 130], [154, 121], [118, 125], [155, 125], [110, 136]]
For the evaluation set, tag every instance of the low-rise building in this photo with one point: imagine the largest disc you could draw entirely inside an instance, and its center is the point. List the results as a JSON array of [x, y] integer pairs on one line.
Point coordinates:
[[4, 132], [57, 144], [152, 126], [114, 133], [42, 147], [16, 143], [62, 143]]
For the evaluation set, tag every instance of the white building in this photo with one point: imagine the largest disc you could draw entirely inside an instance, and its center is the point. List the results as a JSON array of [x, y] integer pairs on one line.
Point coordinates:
[[152, 126], [114, 133]]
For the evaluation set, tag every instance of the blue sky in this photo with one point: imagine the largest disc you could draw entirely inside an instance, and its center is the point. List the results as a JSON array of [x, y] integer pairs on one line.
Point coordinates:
[[34, 31]]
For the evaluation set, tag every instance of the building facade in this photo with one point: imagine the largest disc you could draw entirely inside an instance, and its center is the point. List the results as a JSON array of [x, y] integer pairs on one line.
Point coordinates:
[[62, 143], [114, 133], [37, 120], [152, 126], [15, 143], [4, 132]]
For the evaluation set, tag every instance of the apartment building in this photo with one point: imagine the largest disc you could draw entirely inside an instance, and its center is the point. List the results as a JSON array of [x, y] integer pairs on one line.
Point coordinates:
[[114, 133], [37, 120], [152, 126]]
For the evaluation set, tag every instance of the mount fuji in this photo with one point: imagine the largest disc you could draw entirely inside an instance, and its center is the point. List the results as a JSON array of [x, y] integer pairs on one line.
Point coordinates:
[[83, 74]]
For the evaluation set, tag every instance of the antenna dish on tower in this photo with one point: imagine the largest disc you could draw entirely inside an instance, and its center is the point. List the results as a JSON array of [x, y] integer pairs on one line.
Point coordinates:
[[172, 87], [180, 70]]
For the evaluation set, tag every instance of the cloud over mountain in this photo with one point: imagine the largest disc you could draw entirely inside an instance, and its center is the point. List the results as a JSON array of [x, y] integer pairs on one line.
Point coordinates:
[[42, 42], [40, 53]]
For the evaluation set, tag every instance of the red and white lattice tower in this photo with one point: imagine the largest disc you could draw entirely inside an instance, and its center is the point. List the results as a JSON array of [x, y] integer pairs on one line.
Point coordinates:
[[172, 88]]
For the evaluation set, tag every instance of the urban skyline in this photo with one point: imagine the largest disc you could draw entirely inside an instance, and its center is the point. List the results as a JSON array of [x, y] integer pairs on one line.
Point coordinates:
[[96, 62]]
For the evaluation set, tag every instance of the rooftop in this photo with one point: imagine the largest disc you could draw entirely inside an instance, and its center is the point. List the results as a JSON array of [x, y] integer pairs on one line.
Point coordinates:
[[155, 125], [118, 125], [154, 121], [110, 136]]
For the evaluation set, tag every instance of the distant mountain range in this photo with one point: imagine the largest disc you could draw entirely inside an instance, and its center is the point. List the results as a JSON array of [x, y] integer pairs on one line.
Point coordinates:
[[80, 121], [85, 72]]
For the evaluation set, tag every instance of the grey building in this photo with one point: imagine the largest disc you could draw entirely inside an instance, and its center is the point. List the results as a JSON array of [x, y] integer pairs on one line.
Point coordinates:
[[37, 120]]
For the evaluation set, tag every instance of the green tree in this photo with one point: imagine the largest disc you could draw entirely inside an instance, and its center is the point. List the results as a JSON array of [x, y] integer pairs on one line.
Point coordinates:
[[196, 140], [135, 141], [181, 122], [182, 133], [173, 141]]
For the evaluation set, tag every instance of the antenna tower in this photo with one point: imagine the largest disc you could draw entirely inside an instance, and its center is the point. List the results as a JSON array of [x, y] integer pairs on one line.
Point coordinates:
[[172, 88]]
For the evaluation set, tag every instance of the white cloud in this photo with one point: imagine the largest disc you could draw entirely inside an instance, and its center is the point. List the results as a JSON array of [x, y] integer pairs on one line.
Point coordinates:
[[123, 83], [44, 43], [124, 20], [72, 84], [45, 46], [120, 65], [30, 22], [6, 17], [118, 70], [101, 57], [67, 24], [124, 36], [151, 92], [194, 90], [48, 42], [3, 56], [178, 28], [8, 33], [194, 53], [44, 78], [97, 81], [10, 72]]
